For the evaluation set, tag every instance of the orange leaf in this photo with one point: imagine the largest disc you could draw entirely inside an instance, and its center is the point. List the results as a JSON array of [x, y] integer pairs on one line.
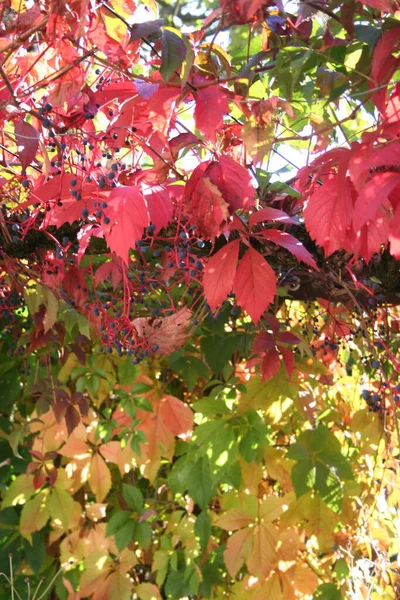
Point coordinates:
[[263, 556], [176, 415], [99, 477], [234, 519], [238, 550]]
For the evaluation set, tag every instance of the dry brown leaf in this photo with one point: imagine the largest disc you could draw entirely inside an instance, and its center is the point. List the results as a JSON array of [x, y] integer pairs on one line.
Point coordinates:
[[167, 334]]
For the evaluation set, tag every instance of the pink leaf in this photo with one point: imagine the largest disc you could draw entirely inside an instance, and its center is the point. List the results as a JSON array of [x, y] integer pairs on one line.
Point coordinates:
[[371, 196], [270, 365], [285, 240], [220, 273], [27, 138], [211, 106], [270, 214], [254, 284], [128, 216]]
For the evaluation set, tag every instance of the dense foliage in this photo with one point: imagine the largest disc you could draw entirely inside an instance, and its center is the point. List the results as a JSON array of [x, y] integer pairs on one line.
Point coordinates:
[[199, 244]]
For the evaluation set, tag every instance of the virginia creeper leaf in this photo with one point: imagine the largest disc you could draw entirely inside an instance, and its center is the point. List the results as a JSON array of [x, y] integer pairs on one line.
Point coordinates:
[[254, 284]]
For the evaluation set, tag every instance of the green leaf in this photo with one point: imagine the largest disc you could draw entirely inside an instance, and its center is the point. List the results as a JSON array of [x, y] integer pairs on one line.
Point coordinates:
[[303, 477], [341, 569], [176, 585], [133, 497], [35, 554], [329, 487], [127, 372], [200, 483], [140, 388], [219, 350], [297, 452], [10, 388], [117, 521], [327, 591], [202, 528], [190, 368], [338, 463], [125, 534], [173, 52], [143, 533], [210, 407]]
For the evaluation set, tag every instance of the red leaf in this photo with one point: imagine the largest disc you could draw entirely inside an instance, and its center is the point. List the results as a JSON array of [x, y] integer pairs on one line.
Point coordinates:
[[241, 11], [39, 479], [36, 454], [288, 338], [328, 213], [288, 359], [128, 216], [159, 205], [382, 5], [371, 196], [290, 243], [372, 236], [270, 365], [220, 273], [255, 284], [27, 138], [211, 106], [205, 204], [262, 342], [235, 184], [384, 65], [270, 214], [53, 474]]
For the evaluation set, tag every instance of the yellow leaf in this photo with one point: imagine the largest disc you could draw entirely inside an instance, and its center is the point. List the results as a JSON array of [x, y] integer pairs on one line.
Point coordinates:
[[238, 549], [120, 586], [279, 467], [99, 477], [271, 508], [20, 490], [35, 514], [115, 28], [60, 505], [258, 139], [147, 591], [319, 519], [51, 304], [252, 474], [97, 566]]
